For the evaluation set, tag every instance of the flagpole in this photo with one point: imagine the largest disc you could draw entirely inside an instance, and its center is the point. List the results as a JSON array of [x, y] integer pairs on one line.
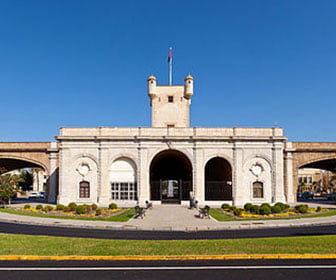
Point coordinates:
[[170, 66], [171, 72]]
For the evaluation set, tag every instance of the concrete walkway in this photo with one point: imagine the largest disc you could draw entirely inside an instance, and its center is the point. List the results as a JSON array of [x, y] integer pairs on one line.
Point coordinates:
[[173, 217], [168, 217]]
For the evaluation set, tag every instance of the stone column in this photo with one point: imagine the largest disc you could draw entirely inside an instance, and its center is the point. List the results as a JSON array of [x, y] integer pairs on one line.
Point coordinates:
[[143, 176], [53, 172], [198, 175], [103, 168], [289, 170], [289, 173], [277, 178], [237, 177]]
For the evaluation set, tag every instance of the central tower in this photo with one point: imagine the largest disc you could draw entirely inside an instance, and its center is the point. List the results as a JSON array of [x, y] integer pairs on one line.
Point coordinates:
[[170, 104]]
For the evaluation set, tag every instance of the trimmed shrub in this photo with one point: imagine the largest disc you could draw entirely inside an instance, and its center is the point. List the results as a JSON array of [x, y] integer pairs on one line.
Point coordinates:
[[98, 212], [282, 205], [275, 209], [88, 208], [94, 207], [265, 209], [39, 207], [27, 206], [72, 206], [113, 206], [67, 209], [226, 206], [255, 209], [302, 208], [237, 211], [318, 209], [265, 204], [60, 207], [81, 209], [48, 208], [248, 206]]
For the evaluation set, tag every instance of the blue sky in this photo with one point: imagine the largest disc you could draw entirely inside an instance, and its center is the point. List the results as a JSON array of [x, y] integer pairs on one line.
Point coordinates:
[[85, 63]]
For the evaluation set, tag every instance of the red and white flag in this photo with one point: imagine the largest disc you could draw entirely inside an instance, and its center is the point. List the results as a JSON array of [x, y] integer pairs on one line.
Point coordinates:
[[170, 55]]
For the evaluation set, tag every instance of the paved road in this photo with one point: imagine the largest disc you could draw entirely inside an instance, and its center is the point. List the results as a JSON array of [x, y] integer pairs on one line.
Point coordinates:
[[242, 269], [165, 235]]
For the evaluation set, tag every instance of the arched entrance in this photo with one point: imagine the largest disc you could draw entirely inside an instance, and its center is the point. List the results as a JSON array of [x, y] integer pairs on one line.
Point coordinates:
[[218, 179], [170, 177]]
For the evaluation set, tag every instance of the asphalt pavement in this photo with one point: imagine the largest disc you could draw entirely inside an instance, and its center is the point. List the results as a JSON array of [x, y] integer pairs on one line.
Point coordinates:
[[16, 228], [224, 269]]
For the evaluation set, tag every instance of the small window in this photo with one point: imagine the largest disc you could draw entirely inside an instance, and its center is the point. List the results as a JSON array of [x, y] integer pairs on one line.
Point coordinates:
[[258, 190], [170, 99], [170, 125], [84, 189]]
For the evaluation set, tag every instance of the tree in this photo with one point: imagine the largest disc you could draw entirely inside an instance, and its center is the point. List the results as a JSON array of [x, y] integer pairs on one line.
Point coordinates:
[[26, 179], [8, 185]]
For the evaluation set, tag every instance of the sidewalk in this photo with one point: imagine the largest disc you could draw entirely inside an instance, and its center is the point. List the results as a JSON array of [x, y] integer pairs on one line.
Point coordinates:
[[167, 217]]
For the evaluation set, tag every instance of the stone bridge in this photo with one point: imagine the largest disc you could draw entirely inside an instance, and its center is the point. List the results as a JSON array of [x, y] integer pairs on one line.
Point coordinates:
[[321, 155], [15, 155]]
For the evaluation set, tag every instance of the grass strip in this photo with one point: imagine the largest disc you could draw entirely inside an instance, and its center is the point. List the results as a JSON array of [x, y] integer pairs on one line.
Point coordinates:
[[122, 217], [220, 216], [12, 244]]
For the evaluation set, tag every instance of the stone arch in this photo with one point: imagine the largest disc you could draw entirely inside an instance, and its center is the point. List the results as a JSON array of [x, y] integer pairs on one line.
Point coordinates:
[[85, 155], [218, 179], [123, 179], [125, 165], [171, 175], [125, 155], [317, 159], [258, 169], [158, 151], [221, 155], [28, 160], [263, 157], [84, 168]]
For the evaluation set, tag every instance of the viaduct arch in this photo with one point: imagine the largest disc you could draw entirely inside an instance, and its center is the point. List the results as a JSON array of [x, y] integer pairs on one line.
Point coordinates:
[[321, 155], [15, 155]]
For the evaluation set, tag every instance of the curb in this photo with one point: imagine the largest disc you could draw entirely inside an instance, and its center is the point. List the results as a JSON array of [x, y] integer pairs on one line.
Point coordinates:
[[173, 257], [126, 226]]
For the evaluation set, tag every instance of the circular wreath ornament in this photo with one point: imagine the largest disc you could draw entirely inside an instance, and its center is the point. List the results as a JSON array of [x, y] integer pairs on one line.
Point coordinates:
[[83, 169], [256, 169]]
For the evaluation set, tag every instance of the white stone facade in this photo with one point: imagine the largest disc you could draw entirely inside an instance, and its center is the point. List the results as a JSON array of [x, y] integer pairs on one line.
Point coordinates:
[[127, 165], [90, 153]]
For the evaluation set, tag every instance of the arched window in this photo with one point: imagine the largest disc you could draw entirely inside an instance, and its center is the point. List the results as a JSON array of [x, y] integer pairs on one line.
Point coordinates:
[[84, 189], [258, 189], [123, 180]]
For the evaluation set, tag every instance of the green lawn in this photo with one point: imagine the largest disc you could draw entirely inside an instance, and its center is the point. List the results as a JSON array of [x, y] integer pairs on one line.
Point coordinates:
[[220, 216], [122, 217], [11, 244]]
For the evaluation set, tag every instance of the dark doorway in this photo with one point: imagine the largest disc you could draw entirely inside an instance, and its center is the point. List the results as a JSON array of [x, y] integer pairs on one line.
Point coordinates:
[[170, 177], [218, 179]]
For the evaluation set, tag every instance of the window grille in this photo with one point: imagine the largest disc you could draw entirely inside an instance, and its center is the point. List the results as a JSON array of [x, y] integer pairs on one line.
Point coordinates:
[[124, 191]]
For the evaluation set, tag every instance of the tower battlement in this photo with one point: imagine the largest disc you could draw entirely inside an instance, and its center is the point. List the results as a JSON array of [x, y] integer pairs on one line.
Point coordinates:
[[170, 104]]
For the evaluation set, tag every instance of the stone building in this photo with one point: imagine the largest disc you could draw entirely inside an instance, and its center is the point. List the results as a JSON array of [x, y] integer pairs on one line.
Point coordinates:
[[170, 161]]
